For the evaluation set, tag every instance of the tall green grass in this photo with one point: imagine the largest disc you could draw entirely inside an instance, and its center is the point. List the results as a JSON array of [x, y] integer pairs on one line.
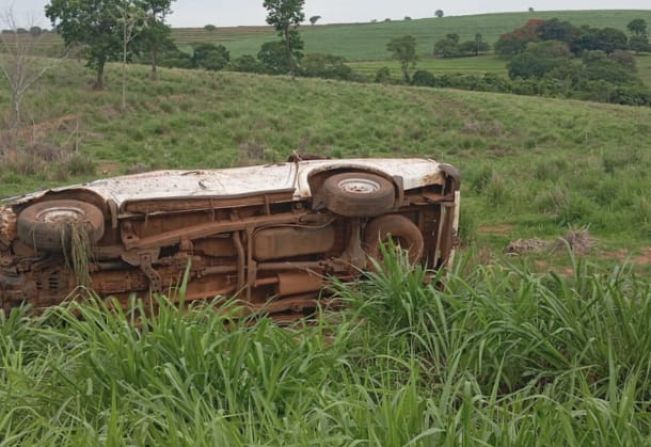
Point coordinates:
[[499, 356]]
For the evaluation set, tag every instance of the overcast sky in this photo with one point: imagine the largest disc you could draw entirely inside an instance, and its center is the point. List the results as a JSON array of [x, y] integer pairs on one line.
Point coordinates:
[[250, 12]]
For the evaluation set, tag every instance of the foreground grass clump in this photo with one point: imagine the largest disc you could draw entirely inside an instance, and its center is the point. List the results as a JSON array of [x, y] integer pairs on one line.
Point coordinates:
[[500, 357]]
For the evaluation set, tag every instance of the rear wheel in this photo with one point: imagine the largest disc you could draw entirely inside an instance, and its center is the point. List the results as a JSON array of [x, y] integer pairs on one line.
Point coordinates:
[[48, 226], [398, 229], [358, 195]]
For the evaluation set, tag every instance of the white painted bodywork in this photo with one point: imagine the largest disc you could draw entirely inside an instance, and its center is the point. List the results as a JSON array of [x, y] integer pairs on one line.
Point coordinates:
[[291, 177]]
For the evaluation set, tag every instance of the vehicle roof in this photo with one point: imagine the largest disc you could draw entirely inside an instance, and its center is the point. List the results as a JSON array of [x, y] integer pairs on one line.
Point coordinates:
[[290, 177]]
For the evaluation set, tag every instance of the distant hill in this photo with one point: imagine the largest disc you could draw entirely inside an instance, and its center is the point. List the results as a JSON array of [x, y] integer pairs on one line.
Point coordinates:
[[367, 41]]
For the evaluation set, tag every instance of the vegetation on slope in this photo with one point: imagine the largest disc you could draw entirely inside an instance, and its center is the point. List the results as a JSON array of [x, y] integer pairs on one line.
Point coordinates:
[[501, 357], [538, 164]]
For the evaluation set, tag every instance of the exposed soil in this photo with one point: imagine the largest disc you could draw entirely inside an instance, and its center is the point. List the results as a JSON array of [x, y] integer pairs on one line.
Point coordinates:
[[498, 230], [623, 255]]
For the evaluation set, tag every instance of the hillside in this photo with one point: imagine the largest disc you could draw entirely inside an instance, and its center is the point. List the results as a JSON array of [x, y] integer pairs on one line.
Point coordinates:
[[532, 166], [367, 41]]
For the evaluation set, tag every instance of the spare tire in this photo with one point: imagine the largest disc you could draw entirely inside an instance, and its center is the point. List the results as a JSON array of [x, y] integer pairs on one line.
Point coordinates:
[[358, 194], [47, 226], [397, 228]]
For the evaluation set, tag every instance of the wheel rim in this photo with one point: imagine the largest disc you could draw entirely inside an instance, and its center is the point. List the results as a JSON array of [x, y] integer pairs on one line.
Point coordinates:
[[61, 215], [359, 186]]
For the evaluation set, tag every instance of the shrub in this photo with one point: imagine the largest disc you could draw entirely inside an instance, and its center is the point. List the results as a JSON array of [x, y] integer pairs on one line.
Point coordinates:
[[326, 66], [383, 75], [210, 57], [174, 58], [423, 78], [210, 28], [273, 57], [448, 46], [36, 31], [247, 64], [538, 60]]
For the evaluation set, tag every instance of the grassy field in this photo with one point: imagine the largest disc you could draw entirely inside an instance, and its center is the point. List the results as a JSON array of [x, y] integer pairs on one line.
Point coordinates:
[[367, 41], [533, 167]]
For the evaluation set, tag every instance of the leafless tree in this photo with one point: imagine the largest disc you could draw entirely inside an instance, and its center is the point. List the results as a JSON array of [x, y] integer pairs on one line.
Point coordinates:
[[132, 19], [19, 63]]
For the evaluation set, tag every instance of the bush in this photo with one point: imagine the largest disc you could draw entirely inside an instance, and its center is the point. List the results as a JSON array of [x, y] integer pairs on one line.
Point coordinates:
[[273, 57], [326, 66], [210, 28], [423, 78], [383, 76], [247, 64], [174, 58], [538, 60], [210, 57]]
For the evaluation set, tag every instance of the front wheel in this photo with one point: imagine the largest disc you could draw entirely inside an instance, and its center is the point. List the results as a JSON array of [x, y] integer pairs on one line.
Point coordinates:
[[48, 226], [358, 195]]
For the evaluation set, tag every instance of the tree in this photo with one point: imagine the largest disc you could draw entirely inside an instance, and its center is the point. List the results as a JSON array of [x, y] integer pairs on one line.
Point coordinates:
[[314, 19], [600, 66], [639, 40], [210, 57], [480, 45], [286, 16], [210, 28], [157, 35], [516, 41], [539, 59], [637, 27], [531, 9], [403, 49], [611, 39], [439, 13], [19, 66], [555, 29], [93, 23], [448, 46], [133, 21]]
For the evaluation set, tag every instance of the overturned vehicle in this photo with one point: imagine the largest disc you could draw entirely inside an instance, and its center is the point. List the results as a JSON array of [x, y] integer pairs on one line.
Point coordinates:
[[269, 235]]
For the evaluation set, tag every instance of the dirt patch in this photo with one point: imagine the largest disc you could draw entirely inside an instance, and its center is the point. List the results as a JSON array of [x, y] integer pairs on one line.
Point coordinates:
[[498, 230], [644, 258], [623, 255]]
